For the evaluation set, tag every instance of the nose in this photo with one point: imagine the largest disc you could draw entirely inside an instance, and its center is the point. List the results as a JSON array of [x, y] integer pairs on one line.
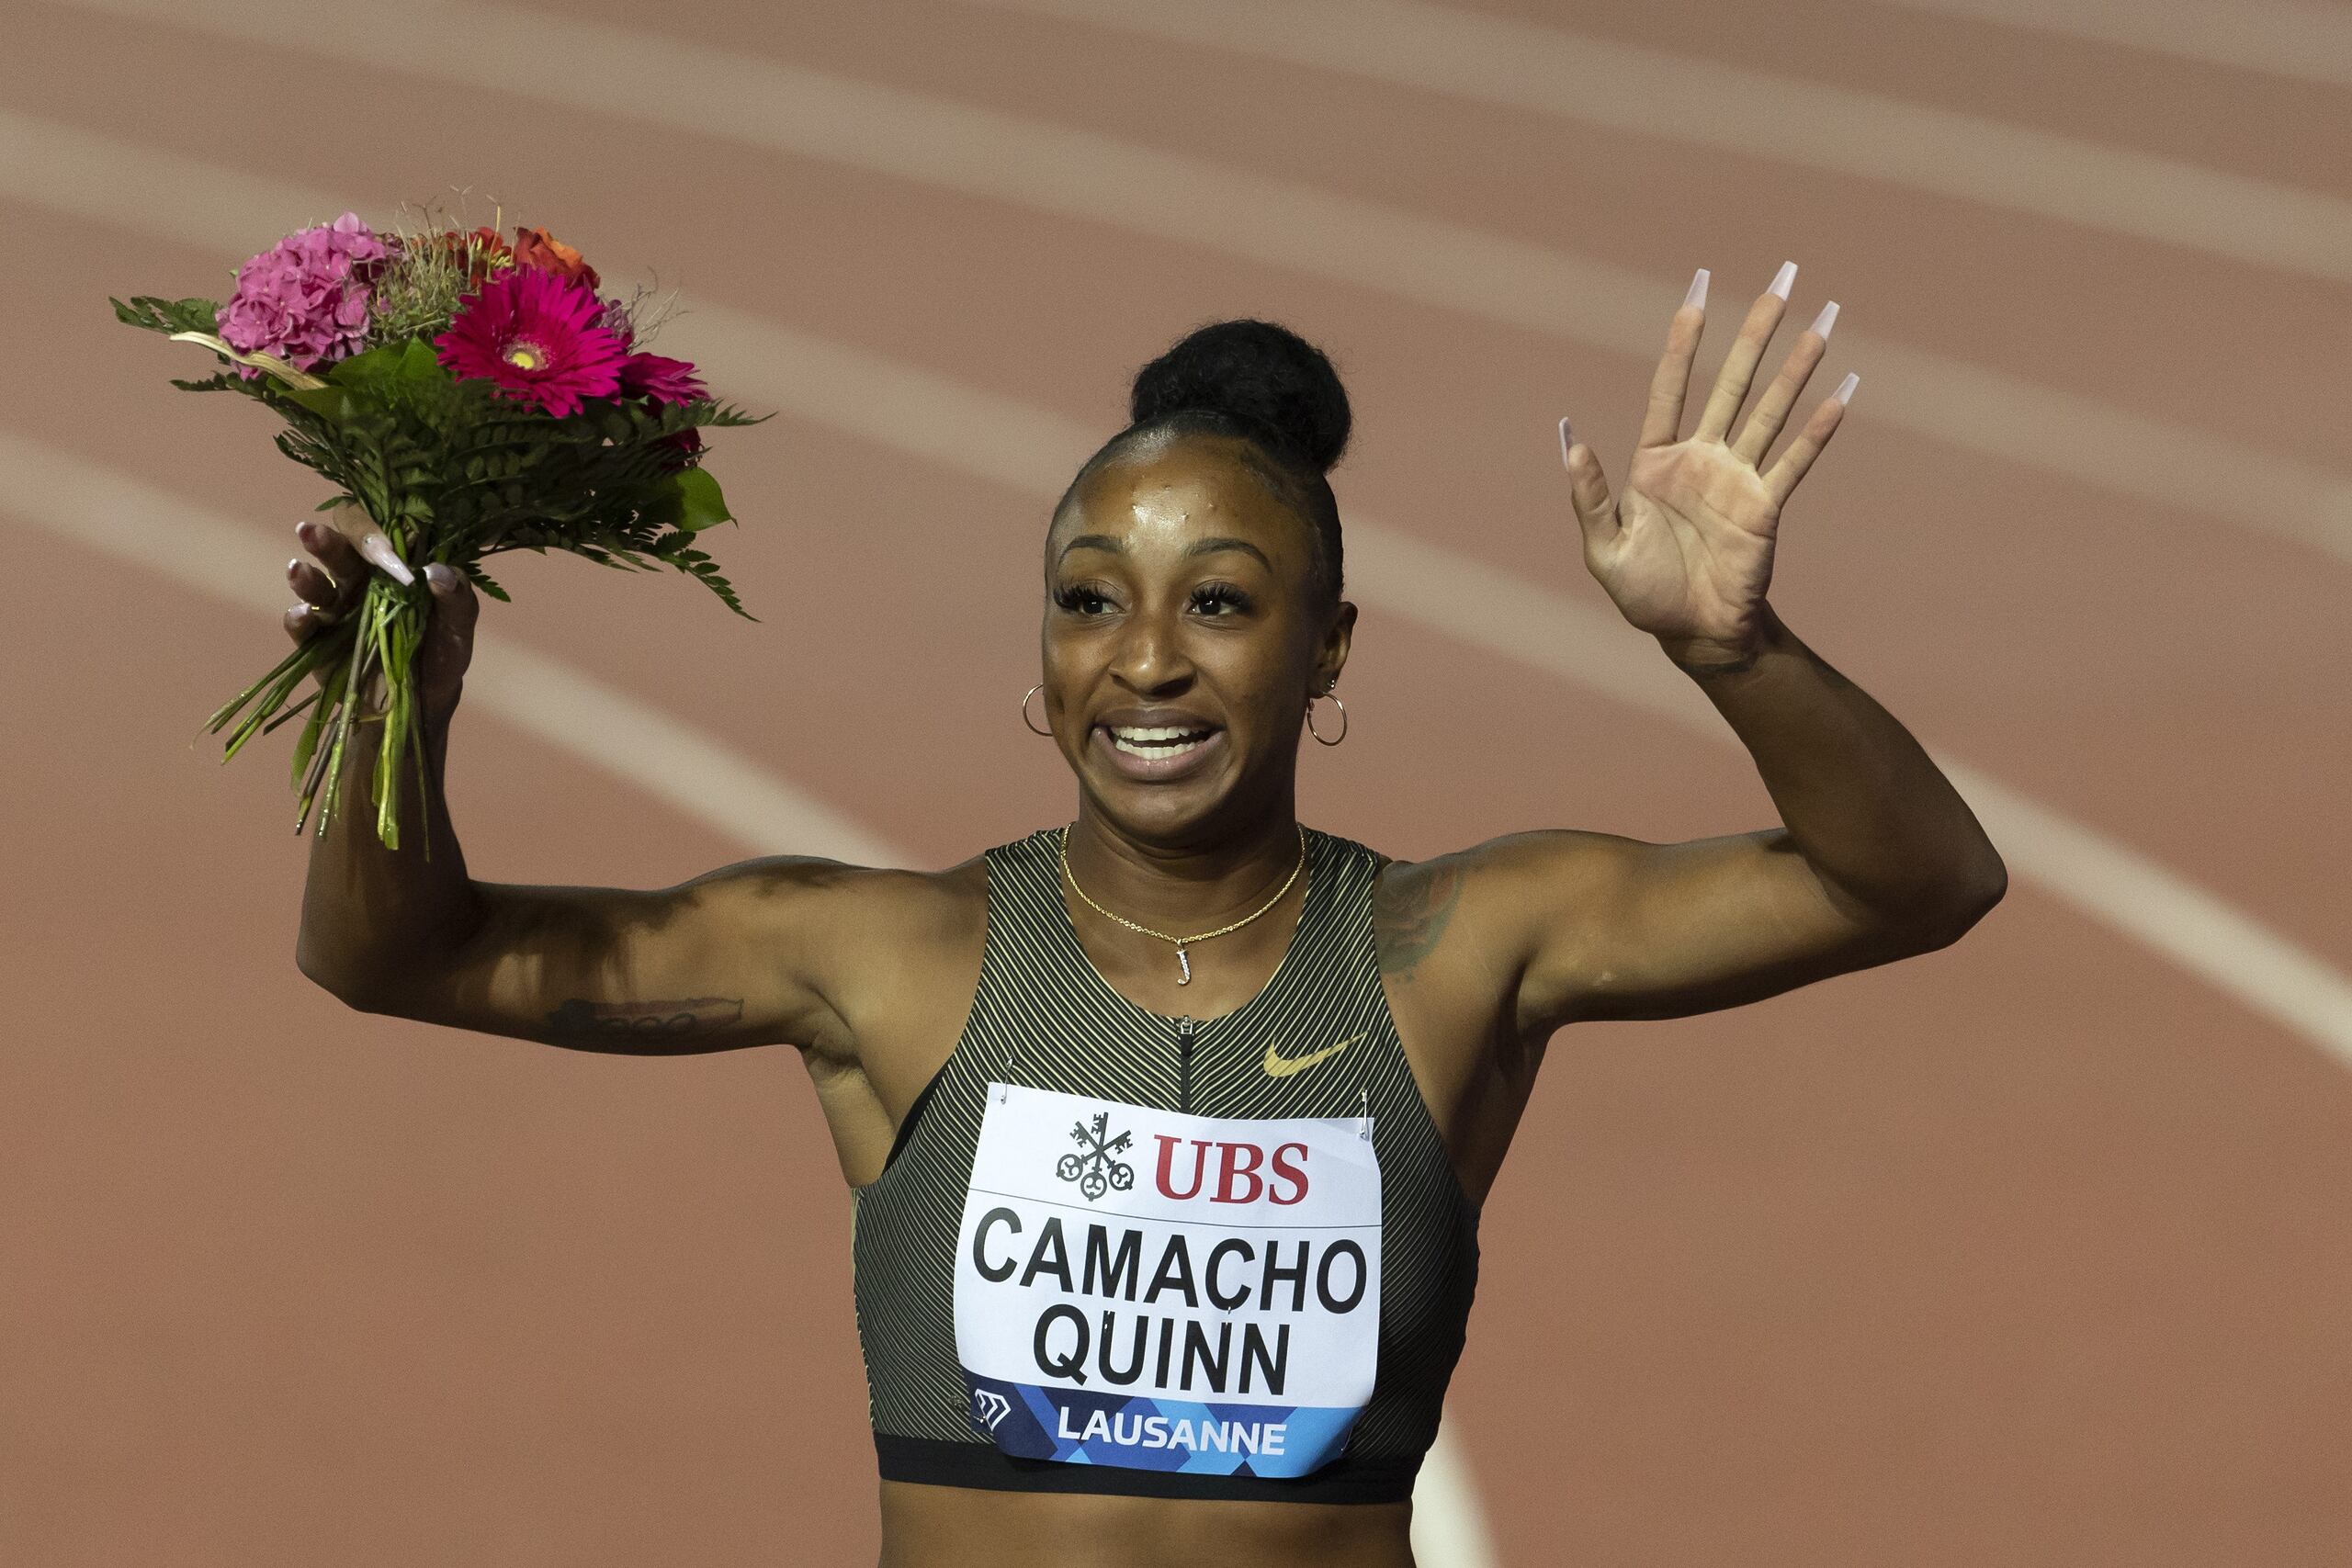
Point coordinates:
[[1150, 659]]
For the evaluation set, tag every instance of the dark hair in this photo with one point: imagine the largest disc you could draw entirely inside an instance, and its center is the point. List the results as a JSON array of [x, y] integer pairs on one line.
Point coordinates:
[[1260, 384]]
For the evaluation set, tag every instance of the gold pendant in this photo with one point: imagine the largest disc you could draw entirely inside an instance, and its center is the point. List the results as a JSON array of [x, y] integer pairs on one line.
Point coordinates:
[[1185, 964]]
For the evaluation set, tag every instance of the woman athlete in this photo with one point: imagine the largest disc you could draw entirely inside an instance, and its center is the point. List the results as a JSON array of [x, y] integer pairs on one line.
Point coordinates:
[[1167, 1130]]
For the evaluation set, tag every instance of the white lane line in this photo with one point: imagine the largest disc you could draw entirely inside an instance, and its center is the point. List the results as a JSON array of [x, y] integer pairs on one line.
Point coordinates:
[[706, 91], [694, 774], [697, 774], [1730, 109], [905, 409], [2286, 37]]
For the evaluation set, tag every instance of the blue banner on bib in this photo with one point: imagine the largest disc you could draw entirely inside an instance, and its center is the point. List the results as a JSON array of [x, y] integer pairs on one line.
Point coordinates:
[[1076, 1427]]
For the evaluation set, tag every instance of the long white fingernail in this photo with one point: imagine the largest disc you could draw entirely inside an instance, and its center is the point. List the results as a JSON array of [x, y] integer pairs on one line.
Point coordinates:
[[1697, 292], [379, 550], [1827, 319], [1846, 388], [1783, 280], [1567, 439]]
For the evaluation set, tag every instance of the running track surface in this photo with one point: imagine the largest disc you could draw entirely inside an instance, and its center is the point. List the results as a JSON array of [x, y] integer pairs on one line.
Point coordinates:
[[2032, 1251]]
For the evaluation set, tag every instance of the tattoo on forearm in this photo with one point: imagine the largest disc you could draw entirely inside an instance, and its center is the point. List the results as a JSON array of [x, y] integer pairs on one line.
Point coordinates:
[[629, 1023], [1410, 913]]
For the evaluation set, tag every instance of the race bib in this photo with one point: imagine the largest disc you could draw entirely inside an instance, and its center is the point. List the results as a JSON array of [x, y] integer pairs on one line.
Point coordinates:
[[1167, 1291]]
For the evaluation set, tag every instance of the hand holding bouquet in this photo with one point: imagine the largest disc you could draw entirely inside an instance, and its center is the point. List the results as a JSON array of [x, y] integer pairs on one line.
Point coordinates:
[[466, 396]]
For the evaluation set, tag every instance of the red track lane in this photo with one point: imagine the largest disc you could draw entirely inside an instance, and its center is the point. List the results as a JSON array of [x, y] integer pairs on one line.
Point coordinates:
[[2029, 1251]]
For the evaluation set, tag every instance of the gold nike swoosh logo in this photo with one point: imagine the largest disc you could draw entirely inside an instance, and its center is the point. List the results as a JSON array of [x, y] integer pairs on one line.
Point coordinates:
[[1281, 1067]]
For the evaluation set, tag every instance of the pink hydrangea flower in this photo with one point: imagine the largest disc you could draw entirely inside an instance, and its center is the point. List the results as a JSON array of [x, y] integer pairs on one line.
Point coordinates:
[[305, 300]]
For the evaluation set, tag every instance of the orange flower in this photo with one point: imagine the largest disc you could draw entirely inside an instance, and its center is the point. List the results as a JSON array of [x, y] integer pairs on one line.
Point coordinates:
[[537, 247], [481, 249]]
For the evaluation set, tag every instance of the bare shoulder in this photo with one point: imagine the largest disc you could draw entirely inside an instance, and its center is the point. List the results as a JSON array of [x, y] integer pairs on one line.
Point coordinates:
[[1413, 903], [1452, 936], [896, 959], [836, 913], [1466, 908], [789, 949], [878, 968], [882, 892]]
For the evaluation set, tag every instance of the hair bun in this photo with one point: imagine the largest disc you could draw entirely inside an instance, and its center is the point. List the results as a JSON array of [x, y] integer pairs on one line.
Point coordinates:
[[1263, 374]]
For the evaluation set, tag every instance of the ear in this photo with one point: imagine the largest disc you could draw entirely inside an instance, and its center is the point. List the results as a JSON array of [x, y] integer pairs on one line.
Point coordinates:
[[1331, 656]]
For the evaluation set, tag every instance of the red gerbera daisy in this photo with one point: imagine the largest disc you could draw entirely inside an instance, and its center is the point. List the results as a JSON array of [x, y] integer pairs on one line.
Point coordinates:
[[664, 380], [541, 338]]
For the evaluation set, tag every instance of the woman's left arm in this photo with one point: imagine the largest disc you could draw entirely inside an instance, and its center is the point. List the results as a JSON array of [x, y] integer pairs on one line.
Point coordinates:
[[1877, 857]]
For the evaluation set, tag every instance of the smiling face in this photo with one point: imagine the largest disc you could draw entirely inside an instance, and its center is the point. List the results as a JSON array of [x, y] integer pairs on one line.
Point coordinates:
[[1186, 626]]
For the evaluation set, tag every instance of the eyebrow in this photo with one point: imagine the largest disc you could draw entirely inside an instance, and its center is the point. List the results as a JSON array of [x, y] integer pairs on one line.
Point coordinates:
[[1116, 547]]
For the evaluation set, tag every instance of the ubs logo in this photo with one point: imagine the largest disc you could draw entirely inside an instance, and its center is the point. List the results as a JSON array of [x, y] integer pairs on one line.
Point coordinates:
[[1093, 1168], [1243, 1172]]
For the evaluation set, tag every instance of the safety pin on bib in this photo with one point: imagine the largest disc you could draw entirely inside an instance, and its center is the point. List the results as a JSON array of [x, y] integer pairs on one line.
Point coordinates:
[[1363, 1112]]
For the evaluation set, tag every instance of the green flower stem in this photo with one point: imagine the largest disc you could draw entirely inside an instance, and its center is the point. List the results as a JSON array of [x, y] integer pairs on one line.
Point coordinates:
[[397, 631], [355, 693], [306, 770], [330, 706], [280, 690], [296, 711], [228, 710]]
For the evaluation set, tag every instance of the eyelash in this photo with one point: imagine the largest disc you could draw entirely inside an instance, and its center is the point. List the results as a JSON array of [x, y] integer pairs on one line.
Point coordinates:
[[1221, 593]]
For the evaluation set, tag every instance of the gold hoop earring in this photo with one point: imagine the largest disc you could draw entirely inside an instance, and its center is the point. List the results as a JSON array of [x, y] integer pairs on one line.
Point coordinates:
[[1311, 718], [1031, 728]]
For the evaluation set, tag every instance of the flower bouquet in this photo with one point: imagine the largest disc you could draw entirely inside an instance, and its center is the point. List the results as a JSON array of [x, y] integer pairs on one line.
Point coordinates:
[[466, 396]]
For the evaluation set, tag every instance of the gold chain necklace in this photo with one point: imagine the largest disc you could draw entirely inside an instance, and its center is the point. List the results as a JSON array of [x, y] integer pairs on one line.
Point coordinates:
[[1182, 961]]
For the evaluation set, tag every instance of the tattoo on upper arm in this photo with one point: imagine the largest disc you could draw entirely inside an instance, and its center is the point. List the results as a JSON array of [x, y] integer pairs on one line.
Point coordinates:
[[1410, 912], [640, 1025]]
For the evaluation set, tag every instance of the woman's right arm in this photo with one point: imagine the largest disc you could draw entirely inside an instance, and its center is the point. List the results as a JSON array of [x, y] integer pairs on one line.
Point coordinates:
[[737, 957]]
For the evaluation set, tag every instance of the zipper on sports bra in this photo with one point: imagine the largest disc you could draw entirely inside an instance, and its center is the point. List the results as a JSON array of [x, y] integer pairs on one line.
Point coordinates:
[[1184, 1027]]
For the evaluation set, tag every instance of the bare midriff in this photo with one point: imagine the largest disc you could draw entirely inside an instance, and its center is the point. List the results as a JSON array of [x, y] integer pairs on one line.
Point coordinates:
[[955, 1527]]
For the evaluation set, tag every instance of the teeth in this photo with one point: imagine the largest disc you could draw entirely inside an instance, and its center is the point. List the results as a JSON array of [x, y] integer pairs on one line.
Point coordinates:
[[1154, 742]]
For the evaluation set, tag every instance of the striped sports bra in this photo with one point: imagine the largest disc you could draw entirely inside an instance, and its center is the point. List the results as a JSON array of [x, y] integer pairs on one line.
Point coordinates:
[[1116, 1252]]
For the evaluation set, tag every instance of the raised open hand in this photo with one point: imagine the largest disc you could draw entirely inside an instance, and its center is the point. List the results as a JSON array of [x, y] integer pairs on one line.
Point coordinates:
[[1687, 551]]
